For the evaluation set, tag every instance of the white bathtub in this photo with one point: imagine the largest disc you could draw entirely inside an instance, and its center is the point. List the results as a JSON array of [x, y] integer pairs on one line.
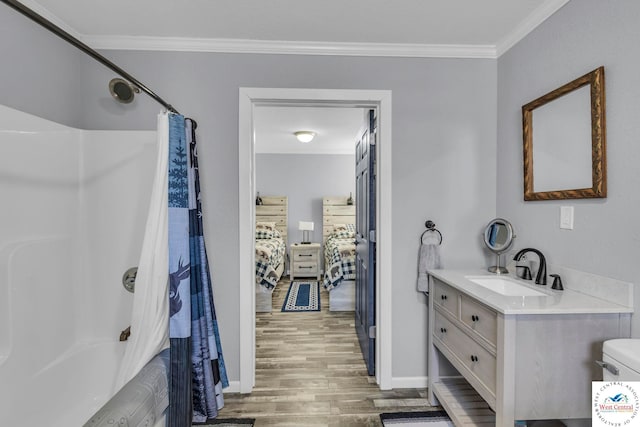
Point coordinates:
[[68, 391], [74, 204]]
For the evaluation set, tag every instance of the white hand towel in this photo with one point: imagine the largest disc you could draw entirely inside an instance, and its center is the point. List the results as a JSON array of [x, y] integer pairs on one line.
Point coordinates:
[[429, 259]]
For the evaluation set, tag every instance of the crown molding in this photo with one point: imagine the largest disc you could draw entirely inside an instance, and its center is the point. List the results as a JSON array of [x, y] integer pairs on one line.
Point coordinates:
[[290, 47], [541, 14], [408, 50]]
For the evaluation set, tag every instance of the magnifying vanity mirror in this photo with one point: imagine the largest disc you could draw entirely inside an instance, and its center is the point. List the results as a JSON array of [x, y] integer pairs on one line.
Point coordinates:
[[565, 141], [498, 236]]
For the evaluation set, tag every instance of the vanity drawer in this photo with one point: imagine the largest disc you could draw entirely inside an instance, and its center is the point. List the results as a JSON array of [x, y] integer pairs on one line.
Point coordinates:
[[444, 330], [481, 319], [446, 297], [480, 362], [472, 355]]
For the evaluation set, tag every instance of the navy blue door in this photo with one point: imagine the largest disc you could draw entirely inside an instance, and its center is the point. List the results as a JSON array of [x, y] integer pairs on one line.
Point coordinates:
[[365, 311]]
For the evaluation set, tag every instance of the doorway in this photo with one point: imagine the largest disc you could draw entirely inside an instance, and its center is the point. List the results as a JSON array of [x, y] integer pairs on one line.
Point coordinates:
[[249, 99]]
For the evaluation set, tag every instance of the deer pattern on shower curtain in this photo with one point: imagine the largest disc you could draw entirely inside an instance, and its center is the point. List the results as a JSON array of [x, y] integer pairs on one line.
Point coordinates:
[[175, 302], [197, 370]]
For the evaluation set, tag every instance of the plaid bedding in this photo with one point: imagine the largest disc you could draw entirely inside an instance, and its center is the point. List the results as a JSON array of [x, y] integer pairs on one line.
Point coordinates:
[[269, 254], [339, 260]]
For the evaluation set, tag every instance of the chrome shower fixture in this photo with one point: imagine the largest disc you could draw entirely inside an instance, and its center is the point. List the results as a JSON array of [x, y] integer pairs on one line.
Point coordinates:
[[122, 91]]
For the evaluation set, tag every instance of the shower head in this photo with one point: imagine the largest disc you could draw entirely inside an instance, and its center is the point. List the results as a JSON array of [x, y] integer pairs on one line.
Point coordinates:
[[122, 91]]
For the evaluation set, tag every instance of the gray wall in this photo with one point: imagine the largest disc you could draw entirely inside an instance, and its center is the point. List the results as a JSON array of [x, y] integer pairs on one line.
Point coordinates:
[[580, 37], [443, 156], [444, 133], [40, 73], [305, 179], [443, 159]]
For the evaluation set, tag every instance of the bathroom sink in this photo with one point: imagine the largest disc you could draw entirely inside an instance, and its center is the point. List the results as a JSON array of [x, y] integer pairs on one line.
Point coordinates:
[[505, 286]]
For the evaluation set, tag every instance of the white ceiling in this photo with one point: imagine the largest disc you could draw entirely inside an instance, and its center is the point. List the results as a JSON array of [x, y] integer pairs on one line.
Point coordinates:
[[376, 21], [336, 129], [351, 27], [418, 28]]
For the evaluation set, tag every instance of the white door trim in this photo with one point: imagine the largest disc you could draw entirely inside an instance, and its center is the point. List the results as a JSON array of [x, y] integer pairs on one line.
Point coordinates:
[[248, 99]]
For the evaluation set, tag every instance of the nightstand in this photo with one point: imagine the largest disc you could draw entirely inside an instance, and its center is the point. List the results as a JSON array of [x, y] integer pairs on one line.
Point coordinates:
[[305, 260]]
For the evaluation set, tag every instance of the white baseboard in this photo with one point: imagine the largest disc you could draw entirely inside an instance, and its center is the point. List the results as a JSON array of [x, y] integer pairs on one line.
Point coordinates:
[[409, 382], [234, 387]]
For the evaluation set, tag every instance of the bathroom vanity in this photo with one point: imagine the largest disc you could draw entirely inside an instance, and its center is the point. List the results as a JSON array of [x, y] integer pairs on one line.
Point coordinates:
[[523, 352]]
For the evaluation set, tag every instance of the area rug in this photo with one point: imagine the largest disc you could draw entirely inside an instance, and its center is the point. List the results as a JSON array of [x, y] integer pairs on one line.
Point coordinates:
[[229, 422], [416, 419], [302, 296]]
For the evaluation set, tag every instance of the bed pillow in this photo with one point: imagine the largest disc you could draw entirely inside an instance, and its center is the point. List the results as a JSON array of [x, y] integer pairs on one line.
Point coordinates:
[[266, 225], [344, 231], [264, 234], [265, 230]]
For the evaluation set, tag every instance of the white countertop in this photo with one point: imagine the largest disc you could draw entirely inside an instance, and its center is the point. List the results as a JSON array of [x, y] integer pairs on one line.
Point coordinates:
[[554, 302]]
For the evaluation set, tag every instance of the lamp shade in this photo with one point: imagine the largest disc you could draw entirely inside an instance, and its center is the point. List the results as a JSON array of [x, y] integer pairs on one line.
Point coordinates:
[[305, 225]]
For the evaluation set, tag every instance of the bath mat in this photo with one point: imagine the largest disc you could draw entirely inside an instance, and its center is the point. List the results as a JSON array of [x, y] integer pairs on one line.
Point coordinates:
[[228, 422], [416, 419], [302, 296]]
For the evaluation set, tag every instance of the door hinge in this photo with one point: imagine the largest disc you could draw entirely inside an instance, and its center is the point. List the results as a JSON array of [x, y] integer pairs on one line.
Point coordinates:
[[372, 332], [372, 236]]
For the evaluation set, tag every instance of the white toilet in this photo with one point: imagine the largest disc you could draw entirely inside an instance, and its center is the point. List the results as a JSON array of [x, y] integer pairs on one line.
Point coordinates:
[[621, 360]]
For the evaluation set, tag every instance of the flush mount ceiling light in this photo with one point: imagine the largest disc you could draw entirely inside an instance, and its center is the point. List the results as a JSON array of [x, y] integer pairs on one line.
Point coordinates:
[[304, 135]]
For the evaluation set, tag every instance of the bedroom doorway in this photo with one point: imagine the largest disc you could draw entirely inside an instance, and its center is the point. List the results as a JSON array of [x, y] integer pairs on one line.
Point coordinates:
[[250, 99]]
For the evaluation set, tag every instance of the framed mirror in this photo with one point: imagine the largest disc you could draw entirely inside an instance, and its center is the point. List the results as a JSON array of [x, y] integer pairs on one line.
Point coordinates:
[[564, 134], [498, 236]]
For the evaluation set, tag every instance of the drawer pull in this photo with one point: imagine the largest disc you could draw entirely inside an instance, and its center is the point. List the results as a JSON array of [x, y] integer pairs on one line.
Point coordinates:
[[474, 358], [474, 318], [302, 266], [443, 330], [305, 255], [443, 297]]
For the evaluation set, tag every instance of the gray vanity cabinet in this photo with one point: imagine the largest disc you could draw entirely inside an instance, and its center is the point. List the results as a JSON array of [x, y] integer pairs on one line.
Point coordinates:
[[518, 366]]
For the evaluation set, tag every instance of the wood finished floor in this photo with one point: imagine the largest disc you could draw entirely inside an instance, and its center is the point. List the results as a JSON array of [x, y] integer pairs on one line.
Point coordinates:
[[310, 372]]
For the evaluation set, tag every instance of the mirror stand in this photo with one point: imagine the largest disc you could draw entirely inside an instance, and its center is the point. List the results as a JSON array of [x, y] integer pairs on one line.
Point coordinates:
[[498, 236], [497, 269]]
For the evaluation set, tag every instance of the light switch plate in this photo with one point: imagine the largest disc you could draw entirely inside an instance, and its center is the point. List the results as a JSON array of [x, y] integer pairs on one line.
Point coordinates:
[[566, 217]]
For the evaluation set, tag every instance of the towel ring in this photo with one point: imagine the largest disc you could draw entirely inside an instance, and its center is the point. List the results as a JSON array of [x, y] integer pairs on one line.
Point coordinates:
[[431, 228]]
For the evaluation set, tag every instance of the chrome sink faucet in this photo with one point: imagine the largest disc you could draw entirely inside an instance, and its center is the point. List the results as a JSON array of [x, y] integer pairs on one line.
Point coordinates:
[[541, 277]]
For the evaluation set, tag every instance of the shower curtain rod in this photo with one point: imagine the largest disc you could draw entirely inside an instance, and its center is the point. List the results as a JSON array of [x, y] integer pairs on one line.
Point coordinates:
[[86, 49]]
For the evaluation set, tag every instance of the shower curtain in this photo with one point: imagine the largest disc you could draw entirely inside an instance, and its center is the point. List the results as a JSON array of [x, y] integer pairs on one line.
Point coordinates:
[[173, 302], [197, 371], [150, 316]]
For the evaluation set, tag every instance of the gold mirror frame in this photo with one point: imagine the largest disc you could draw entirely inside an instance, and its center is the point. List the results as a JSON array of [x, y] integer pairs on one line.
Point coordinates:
[[595, 80]]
